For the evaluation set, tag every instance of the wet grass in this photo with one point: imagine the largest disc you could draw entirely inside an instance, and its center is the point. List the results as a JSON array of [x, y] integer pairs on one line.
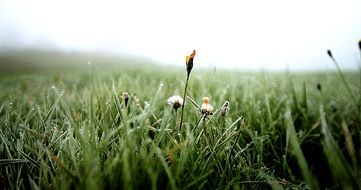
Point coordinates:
[[72, 130]]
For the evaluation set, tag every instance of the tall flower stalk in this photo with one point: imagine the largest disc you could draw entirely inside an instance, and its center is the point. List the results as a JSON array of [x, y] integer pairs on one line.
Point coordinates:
[[341, 75], [189, 64]]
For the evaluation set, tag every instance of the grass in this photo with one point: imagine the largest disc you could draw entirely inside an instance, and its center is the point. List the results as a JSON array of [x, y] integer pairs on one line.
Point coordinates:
[[72, 130]]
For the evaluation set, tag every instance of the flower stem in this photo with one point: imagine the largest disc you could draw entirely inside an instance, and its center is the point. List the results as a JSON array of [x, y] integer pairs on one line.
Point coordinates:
[[184, 99], [343, 79]]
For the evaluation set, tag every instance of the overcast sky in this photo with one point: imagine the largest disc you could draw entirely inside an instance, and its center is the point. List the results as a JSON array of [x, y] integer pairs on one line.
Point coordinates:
[[269, 34]]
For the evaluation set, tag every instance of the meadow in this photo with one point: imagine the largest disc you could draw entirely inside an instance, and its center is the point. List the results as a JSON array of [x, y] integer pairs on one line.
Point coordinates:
[[69, 128]]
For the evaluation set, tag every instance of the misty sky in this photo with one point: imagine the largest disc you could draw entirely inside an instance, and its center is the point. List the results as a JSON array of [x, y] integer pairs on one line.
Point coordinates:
[[269, 34]]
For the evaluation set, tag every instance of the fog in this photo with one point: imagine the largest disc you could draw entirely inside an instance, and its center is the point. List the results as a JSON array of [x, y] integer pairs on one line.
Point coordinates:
[[249, 35]]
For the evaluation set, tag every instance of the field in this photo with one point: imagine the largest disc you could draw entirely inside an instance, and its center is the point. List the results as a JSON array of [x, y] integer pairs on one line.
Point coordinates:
[[71, 129]]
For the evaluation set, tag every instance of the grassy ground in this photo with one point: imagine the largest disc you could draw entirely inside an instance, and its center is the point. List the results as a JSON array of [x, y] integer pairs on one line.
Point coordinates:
[[72, 130]]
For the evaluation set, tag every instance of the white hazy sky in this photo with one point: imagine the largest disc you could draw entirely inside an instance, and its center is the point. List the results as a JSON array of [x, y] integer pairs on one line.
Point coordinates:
[[268, 34]]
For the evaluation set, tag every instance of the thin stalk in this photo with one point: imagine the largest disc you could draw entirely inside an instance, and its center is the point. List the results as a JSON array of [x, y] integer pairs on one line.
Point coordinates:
[[184, 99], [343, 79], [359, 103], [176, 117]]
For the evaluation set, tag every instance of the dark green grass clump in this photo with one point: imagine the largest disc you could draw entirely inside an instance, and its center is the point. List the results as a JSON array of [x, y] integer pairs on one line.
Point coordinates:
[[283, 131]]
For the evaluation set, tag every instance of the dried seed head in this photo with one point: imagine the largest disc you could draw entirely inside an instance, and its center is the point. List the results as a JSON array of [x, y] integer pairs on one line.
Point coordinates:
[[126, 98], [175, 101], [189, 61], [329, 53], [225, 108], [206, 107]]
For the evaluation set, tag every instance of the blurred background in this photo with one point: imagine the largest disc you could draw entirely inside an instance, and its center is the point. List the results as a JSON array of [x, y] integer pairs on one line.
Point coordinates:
[[247, 35]]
